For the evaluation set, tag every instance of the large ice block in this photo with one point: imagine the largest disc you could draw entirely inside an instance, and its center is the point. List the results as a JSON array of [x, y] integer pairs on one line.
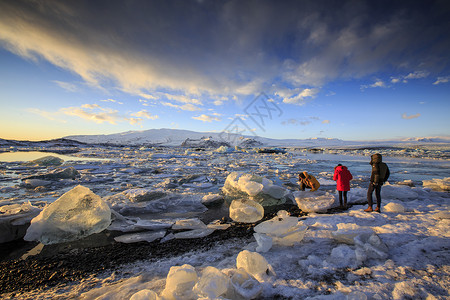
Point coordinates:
[[75, 215], [246, 211], [314, 201], [212, 283], [180, 282]]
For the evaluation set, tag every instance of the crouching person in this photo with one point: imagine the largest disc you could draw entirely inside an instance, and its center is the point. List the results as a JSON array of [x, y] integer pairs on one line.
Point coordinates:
[[308, 181]]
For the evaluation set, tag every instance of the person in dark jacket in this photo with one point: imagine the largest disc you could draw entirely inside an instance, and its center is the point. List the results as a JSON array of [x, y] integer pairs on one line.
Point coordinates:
[[342, 176], [380, 174]]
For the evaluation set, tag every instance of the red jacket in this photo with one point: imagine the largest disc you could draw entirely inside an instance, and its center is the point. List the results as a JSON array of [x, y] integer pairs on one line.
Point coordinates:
[[342, 176]]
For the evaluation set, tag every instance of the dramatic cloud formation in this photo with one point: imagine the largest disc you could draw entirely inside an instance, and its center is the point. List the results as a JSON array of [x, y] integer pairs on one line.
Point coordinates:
[[204, 49], [406, 117]]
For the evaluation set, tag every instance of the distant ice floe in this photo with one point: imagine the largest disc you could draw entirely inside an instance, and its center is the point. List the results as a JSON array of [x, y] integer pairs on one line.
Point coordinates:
[[438, 184]]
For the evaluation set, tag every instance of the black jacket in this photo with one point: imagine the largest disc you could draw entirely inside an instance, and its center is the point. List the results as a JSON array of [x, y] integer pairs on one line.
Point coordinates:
[[380, 170]]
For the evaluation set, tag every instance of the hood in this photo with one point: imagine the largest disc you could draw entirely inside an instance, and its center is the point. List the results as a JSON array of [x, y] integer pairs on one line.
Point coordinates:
[[341, 168], [375, 159]]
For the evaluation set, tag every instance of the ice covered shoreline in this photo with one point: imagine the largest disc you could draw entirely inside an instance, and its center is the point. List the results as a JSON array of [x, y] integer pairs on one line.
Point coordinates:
[[176, 179]]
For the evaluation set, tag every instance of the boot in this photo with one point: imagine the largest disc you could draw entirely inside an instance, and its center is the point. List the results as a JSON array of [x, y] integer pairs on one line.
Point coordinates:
[[377, 209], [369, 209]]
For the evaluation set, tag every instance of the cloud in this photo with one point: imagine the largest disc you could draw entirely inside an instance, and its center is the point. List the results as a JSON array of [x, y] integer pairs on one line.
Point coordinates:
[[94, 113], [111, 100], [225, 48], [304, 121], [412, 75], [376, 84], [404, 116], [299, 97], [187, 107], [326, 122], [440, 80], [144, 114], [208, 118], [66, 85]]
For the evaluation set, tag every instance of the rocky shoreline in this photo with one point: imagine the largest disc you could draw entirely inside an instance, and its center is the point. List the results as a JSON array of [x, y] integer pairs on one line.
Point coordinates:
[[63, 263]]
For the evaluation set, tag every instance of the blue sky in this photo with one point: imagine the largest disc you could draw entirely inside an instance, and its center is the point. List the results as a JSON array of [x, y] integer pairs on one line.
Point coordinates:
[[354, 70]]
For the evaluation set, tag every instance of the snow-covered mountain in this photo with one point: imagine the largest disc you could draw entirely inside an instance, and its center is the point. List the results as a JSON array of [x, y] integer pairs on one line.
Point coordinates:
[[176, 137]]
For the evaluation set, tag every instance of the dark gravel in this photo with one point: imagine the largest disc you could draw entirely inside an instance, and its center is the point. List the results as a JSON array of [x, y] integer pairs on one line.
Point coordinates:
[[63, 263]]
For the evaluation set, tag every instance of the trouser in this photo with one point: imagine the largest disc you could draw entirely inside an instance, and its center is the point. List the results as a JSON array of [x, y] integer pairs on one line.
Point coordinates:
[[303, 186], [340, 197], [377, 188]]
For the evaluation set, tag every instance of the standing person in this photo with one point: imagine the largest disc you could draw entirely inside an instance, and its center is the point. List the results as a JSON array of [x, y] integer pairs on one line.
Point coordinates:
[[308, 181], [342, 176], [380, 174]]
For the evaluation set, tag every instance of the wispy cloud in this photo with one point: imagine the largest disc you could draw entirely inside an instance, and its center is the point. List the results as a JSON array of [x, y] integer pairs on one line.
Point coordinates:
[[112, 101], [440, 80], [187, 107], [326, 122], [208, 118], [406, 117], [66, 85]]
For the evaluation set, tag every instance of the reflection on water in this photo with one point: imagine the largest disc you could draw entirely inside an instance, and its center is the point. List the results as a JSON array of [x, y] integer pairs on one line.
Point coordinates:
[[32, 155]]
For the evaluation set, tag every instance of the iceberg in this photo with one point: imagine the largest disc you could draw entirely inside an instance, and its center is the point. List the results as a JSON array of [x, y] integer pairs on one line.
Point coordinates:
[[212, 283], [180, 282], [243, 286], [253, 263], [257, 188], [314, 201], [246, 211], [47, 161], [281, 230], [75, 215]]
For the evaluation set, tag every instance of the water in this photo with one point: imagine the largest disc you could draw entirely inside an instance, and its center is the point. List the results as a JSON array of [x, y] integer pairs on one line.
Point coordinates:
[[25, 156]]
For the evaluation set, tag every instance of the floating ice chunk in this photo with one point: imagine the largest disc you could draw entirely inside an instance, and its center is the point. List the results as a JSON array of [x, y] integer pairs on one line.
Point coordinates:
[[224, 149], [216, 225], [48, 161], [282, 230], [75, 215], [394, 208], [142, 195], [212, 283], [33, 183], [253, 263], [15, 220], [246, 211], [314, 201], [347, 232], [145, 295], [437, 184], [188, 224], [243, 286], [211, 200], [194, 234], [260, 189], [67, 173], [180, 282], [140, 237]]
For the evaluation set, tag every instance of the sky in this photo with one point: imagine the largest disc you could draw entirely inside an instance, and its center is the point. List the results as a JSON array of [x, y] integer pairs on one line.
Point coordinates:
[[353, 70]]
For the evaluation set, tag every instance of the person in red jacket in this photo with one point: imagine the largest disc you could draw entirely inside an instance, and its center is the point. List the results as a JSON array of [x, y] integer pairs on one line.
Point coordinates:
[[342, 176]]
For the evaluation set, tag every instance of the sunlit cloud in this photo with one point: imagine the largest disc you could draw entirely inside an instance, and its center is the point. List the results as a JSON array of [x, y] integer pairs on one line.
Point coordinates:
[[94, 113], [412, 75], [208, 118], [440, 80], [299, 98], [326, 122], [406, 117]]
